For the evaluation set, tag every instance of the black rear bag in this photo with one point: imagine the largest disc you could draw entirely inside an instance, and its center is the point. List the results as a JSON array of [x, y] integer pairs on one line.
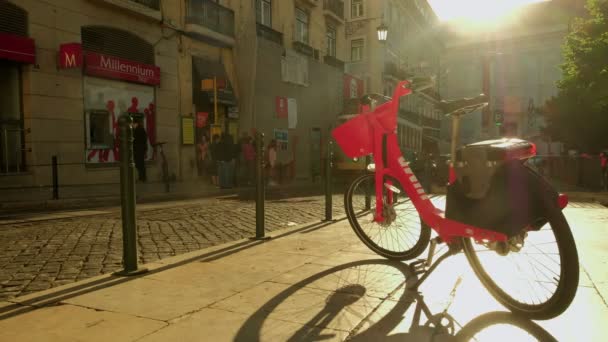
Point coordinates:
[[504, 196]]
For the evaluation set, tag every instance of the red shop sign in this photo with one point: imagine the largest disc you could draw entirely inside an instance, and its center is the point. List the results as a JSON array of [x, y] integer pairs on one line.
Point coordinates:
[[201, 119], [117, 68], [17, 48], [70, 55], [281, 106]]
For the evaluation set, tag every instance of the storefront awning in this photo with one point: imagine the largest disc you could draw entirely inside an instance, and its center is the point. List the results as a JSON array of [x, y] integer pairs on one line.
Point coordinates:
[[17, 48], [208, 69]]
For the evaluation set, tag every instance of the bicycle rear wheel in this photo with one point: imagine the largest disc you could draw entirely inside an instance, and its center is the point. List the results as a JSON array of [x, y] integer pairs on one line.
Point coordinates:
[[539, 281], [403, 236]]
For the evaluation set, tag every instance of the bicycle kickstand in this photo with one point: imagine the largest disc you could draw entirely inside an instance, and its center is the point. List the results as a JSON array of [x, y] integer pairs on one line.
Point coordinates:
[[420, 266]]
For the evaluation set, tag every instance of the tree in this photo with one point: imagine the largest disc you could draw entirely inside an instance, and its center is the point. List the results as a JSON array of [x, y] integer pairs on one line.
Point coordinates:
[[578, 115]]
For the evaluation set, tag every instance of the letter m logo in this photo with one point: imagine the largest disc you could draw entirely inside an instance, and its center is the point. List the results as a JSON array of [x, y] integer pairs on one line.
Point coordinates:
[[70, 55]]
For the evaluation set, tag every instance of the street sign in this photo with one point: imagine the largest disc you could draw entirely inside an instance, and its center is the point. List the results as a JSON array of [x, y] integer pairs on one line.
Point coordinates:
[[499, 117]]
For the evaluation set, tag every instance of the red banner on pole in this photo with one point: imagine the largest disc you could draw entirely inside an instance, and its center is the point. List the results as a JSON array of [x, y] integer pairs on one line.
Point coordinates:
[[201, 119], [117, 68], [281, 107]]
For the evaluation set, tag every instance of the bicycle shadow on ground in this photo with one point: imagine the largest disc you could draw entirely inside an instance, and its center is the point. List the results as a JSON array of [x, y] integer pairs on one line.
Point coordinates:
[[368, 299]]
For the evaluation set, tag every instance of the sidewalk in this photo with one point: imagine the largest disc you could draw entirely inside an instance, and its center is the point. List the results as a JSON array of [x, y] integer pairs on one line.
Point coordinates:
[[149, 193], [308, 283]]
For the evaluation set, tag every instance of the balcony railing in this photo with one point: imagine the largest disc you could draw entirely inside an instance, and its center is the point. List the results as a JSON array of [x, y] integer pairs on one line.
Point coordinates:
[[211, 15], [303, 48], [335, 6], [333, 61], [394, 71], [269, 34], [410, 116], [153, 4], [431, 123]]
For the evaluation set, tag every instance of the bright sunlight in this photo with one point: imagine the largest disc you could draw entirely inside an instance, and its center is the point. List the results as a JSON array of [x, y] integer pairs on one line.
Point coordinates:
[[477, 11]]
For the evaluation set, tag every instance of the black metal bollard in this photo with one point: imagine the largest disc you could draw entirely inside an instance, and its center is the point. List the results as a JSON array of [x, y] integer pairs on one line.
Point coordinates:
[[328, 181], [127, 199], [368, 186], [55, 176], [260, 195]]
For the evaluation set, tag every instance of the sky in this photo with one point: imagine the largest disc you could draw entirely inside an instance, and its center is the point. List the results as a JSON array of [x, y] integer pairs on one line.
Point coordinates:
[[476, 10]]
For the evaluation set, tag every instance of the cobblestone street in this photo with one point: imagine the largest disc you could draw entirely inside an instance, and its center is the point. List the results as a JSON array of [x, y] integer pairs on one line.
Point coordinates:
[[35, 256]]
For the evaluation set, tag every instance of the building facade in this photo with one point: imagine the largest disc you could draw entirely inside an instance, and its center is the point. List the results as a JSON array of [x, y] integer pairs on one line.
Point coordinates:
[[298, 79], [188, 69], [413, 48], [517, 65], [73, 67]]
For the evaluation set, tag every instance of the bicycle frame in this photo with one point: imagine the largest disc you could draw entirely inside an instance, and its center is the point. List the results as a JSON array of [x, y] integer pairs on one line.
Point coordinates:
[[382, 124]]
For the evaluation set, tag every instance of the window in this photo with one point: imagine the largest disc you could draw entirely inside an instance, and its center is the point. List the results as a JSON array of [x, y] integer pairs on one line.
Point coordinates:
[[356, 9], [263, 9], [356, 50], [100, 134], [11, 124], [301, 26], [331, 41]]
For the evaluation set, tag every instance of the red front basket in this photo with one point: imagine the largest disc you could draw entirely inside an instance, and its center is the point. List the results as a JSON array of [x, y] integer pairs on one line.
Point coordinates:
[[355, 136]]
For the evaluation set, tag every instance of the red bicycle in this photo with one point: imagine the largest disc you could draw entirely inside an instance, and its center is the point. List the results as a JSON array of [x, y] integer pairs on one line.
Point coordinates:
[[505, 217]]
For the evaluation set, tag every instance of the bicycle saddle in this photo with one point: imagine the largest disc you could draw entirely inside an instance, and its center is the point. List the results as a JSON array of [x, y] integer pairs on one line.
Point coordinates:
[[463, 106]]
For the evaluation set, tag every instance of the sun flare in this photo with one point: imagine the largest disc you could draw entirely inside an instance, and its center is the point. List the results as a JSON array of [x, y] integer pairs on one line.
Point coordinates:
[[477, 11]]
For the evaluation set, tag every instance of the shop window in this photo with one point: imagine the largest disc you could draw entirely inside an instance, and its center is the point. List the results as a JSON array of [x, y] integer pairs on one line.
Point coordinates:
[[104, 102]]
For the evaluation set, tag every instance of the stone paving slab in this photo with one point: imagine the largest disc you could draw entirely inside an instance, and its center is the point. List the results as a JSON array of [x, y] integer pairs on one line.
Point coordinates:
[[66, 323]]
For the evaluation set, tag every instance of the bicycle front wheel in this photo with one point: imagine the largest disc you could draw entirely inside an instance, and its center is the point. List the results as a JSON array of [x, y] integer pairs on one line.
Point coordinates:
[[402, 236], [540, 279]]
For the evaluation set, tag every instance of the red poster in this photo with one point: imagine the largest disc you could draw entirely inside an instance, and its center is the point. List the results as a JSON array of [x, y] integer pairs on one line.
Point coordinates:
[[281, 107], [117, 68], [201, 119], [17, 48], [70, 55], [353, 87]]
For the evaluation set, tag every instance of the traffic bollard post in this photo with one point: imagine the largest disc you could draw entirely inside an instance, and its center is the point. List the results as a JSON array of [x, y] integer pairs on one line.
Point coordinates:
[[55, 175], [260, 195], [328, 181], [127, 199]]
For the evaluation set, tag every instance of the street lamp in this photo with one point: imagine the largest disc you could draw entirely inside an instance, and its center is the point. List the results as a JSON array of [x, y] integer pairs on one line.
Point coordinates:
[[382, 32]]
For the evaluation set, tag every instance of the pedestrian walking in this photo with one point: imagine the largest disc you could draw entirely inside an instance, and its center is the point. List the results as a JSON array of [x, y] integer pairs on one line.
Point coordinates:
[[271, 162], [203, 155], [248, 152], [226, 161], [140, 148], [214, 164]]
